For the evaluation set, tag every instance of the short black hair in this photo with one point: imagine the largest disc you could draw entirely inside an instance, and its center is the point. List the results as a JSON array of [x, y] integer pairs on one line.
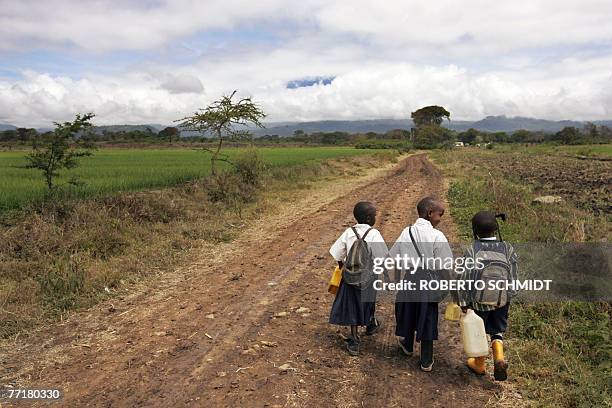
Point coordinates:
[[484, 224], [428, 204], [363, 210]]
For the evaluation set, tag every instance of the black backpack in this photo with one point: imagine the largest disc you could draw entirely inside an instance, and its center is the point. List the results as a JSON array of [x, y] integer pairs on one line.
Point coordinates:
[[496, 267], [358, 269]]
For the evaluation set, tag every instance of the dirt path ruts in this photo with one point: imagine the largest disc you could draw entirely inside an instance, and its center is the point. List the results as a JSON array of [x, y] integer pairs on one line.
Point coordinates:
[[201, 343]]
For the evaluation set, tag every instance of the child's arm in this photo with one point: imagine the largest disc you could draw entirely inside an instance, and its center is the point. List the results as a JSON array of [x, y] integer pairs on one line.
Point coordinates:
[[397, 251], [338, 249], [379, 250], [444, 255]]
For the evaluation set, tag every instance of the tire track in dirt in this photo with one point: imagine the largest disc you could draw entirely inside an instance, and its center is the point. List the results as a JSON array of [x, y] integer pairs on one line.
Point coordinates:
[[176, 353]]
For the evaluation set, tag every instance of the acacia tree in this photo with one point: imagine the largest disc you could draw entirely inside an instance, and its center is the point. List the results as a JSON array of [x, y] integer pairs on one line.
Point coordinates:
[[53, 151], [429, 115], [221, 120], [170, 132]]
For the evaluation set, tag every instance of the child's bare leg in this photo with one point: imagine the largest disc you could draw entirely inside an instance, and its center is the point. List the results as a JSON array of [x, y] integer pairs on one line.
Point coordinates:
[[355, 332], [353, 342]]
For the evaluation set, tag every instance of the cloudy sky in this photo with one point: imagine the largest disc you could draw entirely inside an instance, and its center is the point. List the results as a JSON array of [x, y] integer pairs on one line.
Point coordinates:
[[154, 61]]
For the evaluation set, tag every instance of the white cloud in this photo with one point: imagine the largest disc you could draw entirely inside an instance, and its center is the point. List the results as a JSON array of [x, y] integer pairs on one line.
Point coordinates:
[[547, 59], [39, 99], [182, 84], [130, 25], [443, 26], [372, 90]]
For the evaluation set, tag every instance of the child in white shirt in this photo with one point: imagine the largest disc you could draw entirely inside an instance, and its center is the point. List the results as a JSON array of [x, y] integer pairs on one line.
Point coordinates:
[[417, 316], [353, 306]]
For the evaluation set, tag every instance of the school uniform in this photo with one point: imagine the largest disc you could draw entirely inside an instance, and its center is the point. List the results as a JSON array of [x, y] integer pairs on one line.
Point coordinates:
[[413, 317], [495, 319], [348, 308]]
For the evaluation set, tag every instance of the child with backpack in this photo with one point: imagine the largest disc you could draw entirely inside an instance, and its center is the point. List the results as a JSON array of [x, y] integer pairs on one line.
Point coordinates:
[[495, 260], [417, 315], [354, 251]]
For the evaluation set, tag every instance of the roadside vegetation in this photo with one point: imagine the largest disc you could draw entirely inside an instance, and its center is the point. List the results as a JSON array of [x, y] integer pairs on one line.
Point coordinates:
[[559, 352]]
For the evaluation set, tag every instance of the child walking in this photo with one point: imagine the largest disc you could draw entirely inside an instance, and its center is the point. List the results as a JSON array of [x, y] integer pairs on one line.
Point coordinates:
[[355, 305], [498, 260], [417, 316]]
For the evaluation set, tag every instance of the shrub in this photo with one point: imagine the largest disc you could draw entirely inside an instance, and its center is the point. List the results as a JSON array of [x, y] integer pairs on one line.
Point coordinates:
[[250, 168], [239, 186]]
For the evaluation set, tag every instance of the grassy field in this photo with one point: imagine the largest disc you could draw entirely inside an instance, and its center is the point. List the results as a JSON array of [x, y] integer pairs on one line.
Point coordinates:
[[112, 170], [559, 351]]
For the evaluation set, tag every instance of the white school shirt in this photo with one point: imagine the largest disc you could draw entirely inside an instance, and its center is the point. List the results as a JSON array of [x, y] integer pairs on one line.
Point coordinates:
[[343, 244], [436, 246]]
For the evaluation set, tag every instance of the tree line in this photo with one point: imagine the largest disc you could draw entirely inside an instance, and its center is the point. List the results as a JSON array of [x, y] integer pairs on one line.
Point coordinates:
[[147, 135], [427, 133]]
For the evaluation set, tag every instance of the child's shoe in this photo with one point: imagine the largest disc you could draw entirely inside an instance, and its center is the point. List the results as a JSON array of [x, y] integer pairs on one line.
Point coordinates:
[[477, 365], [352, 345], [373, 326], [427, 358], [500, 366]]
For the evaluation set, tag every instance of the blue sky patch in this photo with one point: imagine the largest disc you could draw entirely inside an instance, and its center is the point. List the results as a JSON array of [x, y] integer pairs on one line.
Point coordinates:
[[302, 83]]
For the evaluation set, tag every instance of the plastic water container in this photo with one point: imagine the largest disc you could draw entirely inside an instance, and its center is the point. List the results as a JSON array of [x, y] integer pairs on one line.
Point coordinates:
[[453, 312], [474, 336]]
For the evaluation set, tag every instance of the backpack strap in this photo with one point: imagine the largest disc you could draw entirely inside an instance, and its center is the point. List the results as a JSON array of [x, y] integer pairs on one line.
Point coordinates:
[[364, 235]]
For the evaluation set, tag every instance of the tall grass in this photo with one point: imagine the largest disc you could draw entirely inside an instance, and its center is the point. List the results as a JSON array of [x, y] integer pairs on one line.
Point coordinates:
[[113, 170]]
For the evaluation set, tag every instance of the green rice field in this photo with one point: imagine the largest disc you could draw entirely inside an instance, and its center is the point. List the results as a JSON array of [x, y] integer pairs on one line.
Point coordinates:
[[114, 170]]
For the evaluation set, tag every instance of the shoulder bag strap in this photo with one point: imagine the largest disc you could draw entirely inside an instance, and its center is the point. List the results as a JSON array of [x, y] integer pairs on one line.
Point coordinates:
[[415, 244]]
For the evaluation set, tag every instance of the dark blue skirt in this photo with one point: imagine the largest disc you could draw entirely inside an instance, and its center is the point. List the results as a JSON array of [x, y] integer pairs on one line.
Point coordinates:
[[416, 317], [348, 308]]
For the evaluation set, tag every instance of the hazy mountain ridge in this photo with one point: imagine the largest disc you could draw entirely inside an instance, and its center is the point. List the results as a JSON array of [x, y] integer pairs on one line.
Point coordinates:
[[488, 124]]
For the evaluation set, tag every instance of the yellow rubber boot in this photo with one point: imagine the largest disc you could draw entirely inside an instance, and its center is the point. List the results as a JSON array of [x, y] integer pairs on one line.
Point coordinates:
[[500, 370], [477, 365]]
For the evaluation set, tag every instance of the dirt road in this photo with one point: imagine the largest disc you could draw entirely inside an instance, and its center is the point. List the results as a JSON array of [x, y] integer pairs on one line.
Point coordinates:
[[216, 333]]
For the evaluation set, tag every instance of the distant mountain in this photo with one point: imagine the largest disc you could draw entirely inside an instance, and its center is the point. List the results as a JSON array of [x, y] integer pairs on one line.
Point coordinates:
[[488, 124], [507, 124], [127, 128], [6, 126], [349, 126], [98, 129]]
